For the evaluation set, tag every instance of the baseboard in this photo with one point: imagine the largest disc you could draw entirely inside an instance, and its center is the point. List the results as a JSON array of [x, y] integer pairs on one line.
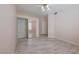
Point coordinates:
[[43, 33], [67, 41]]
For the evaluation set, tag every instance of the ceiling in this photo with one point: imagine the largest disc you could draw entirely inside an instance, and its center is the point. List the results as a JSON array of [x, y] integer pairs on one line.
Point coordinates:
[[35, 9]]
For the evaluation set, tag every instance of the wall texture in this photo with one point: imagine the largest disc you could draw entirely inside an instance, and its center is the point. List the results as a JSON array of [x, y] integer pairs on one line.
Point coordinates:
[[7, 28], [65, 25]]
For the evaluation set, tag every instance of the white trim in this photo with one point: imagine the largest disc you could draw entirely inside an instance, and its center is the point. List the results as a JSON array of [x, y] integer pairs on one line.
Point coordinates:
[[69, 41]]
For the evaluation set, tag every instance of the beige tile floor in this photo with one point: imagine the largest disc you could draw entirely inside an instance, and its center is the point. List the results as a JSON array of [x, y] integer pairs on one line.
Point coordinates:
[[44, 45]]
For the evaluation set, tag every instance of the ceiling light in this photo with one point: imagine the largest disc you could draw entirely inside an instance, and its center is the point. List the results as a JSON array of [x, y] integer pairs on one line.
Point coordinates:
[[45, 7], [48, 8]]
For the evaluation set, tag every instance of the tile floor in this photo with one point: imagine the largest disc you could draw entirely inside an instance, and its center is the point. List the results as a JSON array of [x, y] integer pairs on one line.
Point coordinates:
[[44, 45]]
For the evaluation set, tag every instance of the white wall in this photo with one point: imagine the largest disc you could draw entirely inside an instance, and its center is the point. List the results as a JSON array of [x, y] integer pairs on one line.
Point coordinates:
[[51, 25], [7, 28], [37, 27], [43, 25], [66, 24]]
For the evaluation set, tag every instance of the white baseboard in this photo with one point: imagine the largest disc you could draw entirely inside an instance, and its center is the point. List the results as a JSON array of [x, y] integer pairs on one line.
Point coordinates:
[[69, 41]]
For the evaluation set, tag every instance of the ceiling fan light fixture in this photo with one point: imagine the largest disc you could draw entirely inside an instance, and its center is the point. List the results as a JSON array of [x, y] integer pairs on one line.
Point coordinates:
[[48, 8], [45, 7]]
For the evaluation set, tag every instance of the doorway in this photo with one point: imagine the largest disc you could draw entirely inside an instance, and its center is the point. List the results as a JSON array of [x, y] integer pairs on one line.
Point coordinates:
[[32, 28], [22, 27]]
